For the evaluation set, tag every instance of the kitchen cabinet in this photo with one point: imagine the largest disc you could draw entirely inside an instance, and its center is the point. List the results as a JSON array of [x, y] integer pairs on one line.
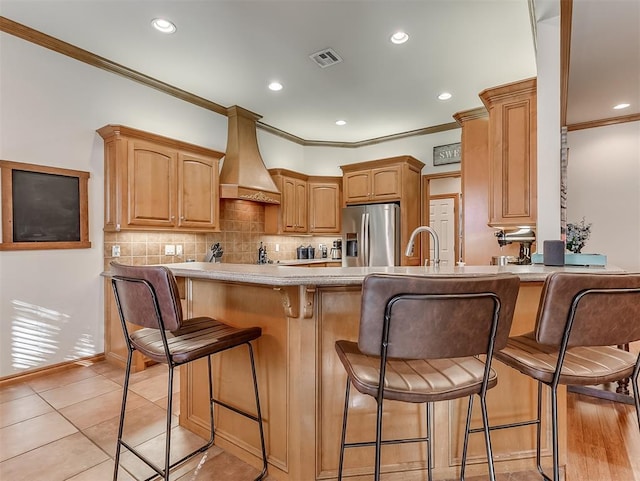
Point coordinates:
[[325, 204], [377, 184], [512, 153], [291, 215], [394, 179], [156, 183], [310, 204], [479, 242]]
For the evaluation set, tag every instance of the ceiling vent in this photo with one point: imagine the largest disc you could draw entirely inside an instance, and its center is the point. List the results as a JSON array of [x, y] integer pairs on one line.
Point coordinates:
[[326, 58]]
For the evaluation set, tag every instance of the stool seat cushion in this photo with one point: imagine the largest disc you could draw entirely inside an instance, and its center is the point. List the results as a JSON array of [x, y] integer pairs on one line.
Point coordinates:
[[582, 365], [416, 381], [198, 337]]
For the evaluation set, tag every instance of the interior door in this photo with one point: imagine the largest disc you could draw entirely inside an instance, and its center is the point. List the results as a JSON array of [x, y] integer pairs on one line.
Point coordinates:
[[443, 218]]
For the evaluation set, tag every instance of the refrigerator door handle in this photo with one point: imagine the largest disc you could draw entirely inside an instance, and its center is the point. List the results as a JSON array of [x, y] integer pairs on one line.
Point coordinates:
[[365, 238]]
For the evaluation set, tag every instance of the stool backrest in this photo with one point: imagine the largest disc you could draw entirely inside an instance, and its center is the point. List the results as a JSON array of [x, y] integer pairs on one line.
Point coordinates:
[[435, 317], [136, 299], [607, 309]]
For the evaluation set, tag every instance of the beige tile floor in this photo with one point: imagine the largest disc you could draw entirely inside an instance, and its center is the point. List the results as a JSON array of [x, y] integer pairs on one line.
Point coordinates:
[[63, 426]]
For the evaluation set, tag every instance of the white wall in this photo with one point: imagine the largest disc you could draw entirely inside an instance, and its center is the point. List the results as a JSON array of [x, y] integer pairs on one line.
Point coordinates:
[[327, 160], [604, 187], [50, 108]]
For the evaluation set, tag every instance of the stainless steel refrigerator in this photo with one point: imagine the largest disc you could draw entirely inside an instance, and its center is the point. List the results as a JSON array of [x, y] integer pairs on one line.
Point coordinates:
[[371, 235]]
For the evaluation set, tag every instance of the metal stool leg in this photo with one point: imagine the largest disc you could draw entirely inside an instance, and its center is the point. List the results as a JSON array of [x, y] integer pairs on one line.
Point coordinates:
[[344, 429], [554, 431], [167, 452], [465, 445], [636, 390], [259, 415], [429, 437], [125, 389], [378, 439], [487, 435]]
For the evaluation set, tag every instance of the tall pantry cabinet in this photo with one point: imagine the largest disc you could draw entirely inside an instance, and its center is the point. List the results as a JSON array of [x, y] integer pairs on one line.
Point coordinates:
[[499, 169]]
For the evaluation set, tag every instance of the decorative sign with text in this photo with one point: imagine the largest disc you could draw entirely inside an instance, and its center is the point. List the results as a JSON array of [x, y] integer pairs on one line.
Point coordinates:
[[446, 154]]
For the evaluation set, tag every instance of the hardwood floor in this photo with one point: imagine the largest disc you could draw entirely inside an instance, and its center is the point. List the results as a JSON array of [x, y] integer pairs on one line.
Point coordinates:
[[603, 440], [62, 427]]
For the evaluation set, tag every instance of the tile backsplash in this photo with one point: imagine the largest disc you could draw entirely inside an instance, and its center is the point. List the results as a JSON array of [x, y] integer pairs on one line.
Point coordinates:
[[242, 230]]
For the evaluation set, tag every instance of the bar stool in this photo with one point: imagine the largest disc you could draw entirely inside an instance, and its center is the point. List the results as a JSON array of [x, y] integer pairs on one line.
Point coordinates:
[[580, 317], [418, 341], [148, 296]]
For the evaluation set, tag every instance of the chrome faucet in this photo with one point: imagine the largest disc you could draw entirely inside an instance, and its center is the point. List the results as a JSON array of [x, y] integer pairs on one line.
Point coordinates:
[[436, 243]]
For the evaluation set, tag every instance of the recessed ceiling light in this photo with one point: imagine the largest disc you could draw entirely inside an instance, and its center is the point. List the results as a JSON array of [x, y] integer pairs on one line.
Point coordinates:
[[341, 122], [621, 106], [444, 96], [275, 86], [399, 37], [163, 25]]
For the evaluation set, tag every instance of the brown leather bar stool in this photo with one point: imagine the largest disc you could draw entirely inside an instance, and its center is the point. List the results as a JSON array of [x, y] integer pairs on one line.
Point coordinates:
[[148, 297], [580, 318], [418, 341]]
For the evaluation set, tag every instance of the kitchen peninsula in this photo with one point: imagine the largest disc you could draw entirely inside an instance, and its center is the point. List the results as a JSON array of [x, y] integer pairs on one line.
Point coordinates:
[[302, 312]]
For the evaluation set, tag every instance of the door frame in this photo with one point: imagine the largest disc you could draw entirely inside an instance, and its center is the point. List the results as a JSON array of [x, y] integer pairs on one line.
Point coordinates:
[[425, 205]]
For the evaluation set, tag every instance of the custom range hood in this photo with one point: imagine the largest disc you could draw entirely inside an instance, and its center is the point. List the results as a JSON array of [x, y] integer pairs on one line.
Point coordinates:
[[244, 175]]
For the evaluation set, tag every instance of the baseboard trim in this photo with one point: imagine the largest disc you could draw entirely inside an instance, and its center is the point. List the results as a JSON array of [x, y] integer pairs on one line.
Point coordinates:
[[43, 371]]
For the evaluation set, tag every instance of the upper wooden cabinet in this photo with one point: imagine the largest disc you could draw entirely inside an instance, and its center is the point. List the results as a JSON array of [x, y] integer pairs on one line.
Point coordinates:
[[479, 242], [325, 204], [375, 184], [395, 179], [157, 183], [512, 153], [291, 215], [309, 204]]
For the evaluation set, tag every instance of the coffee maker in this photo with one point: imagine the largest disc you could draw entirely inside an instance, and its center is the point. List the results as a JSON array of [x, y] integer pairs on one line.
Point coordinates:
[[336, 250], [524, 236]]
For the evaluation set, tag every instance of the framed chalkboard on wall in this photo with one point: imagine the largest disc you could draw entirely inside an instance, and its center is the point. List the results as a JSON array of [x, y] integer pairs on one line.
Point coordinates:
[[43, 207]]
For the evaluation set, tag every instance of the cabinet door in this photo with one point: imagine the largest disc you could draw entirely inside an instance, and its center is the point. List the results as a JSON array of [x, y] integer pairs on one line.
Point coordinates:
[[301, 206], [512, 153], [357, 186], [513, 166], [385, 183], [324, 207], [294, 205], [151, 185], [197, 191]]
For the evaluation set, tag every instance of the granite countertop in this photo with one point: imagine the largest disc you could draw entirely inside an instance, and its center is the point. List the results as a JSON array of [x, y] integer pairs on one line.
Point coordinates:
[[285, 275]]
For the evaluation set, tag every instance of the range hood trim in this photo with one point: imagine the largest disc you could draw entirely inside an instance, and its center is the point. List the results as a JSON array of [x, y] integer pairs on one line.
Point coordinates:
[[244, 175]]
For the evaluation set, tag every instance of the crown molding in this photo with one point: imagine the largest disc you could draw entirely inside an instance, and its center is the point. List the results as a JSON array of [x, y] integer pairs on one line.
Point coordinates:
[[64, 48]]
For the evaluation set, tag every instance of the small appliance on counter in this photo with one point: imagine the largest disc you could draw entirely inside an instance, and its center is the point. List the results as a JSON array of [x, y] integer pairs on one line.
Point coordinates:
[[305, 252], [503, 260], [525, 236], [336, 250]]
